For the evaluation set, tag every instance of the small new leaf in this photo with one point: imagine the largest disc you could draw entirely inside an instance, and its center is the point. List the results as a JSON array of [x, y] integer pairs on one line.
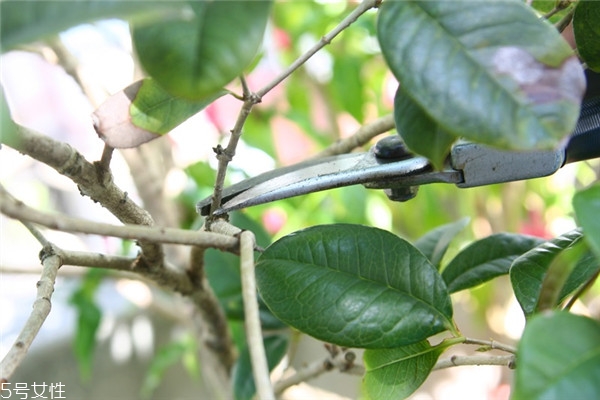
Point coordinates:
[[486, 259], [396, 373], [528, 272]]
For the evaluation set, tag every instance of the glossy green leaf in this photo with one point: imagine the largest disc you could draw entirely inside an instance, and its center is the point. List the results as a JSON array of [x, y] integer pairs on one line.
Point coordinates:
[[558, 358], [244, 387], [354, 286], [396, 373], [488, 71], [486, 259], [421, 134], [435, 242], [195, 52], [89, 316], [587, 32], [587, 209], [528, 272], [142, 112], [27, 21]]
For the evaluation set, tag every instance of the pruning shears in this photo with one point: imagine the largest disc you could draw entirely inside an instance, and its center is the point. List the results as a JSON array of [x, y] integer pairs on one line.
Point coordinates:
[[389, 166]]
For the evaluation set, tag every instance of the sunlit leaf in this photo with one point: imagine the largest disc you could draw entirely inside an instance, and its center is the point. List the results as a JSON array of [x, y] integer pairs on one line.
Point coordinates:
[[396, 373], [354, 286], [194, 52], [244, 387], [421, 133], [587, 32], [528, 272], [587, 209], [486, 259], [491, 72], [435, 242], [558, 358], [143, 111]]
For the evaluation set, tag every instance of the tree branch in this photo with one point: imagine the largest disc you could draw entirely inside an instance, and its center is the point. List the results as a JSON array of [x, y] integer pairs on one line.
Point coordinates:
[[258, 356], [342, 360], [18, 210], [51, 262], [491, 345], [361, 137], [363, 7], [479, 359]]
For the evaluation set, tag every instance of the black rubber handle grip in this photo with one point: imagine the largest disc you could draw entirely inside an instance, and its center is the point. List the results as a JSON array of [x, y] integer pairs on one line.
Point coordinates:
[[584, 143]]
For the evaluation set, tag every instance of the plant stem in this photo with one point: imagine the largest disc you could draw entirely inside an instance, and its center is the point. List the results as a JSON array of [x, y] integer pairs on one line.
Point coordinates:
[[51, 262], [258, 356]]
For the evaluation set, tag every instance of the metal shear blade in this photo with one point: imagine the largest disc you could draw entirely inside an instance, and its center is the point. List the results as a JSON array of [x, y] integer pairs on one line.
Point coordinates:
[[328, 173]]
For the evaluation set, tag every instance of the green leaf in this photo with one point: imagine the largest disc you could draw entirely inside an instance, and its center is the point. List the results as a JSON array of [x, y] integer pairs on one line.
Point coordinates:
[[528, 272], [558, 358], [435, 242], [143, 111], [491, 72], [244, 387], [89, 316], [194, 53], [27, 21], [587, 209], [354, 286], [587, 32], [486, 259], [583, 271], [421, 133], [396, 373]]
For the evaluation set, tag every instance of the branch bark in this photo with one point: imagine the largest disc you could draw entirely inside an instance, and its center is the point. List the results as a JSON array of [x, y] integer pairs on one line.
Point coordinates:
[[51, 262]]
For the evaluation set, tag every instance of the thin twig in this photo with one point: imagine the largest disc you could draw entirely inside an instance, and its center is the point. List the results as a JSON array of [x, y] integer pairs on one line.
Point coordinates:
[[363, 7], [51, 262], [478, 359], [18, 210], [258, 357], [106, 157], [565, 21], [250, 99], [361, 137], [491, 345], [342, 361], [36, 233]]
